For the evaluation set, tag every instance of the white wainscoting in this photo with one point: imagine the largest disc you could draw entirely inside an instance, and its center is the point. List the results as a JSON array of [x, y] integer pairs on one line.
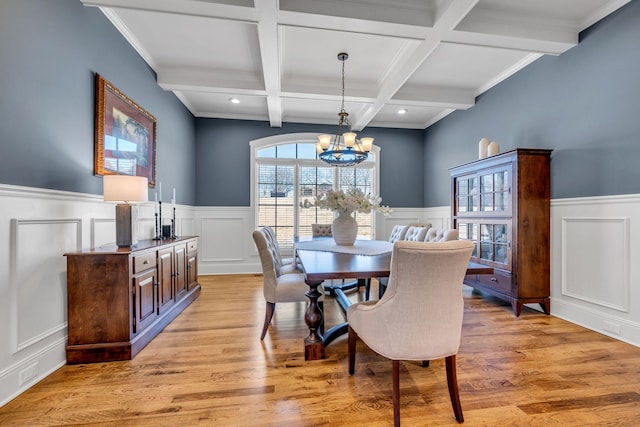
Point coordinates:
[[593, 281], [40, 226]]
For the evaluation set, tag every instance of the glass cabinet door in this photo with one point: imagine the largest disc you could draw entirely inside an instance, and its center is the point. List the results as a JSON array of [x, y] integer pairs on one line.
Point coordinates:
[[467, 194], [494, 191], [484, 193], [469, 231], [491, 239]]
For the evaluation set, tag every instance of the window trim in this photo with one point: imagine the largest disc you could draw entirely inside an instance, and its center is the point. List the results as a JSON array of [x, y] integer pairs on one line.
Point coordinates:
[[292, 138]]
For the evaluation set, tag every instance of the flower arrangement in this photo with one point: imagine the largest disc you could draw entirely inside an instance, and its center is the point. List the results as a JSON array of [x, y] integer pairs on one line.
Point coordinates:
[[353, 200]]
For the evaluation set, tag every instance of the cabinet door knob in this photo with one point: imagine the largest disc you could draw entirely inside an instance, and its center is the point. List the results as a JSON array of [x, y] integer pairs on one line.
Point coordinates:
[[146, 261], [493, 279]]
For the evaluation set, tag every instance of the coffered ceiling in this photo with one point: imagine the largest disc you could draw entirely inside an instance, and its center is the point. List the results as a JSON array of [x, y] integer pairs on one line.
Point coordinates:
[[279, 57]]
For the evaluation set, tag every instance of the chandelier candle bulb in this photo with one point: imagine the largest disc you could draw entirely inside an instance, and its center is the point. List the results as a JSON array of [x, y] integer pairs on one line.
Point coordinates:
[[493, 148], [483, 148]]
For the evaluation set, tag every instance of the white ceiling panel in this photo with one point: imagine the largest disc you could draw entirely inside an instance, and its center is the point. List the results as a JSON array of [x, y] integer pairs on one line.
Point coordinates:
[[218, 105], [415, 117], [279, 57], [464, 66], [194, 41]]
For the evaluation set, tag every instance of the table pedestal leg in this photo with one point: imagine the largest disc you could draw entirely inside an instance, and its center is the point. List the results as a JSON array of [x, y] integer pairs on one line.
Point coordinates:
[[313, 343]]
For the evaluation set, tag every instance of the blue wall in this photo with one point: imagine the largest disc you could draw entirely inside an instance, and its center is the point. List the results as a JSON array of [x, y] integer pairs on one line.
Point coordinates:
[[223, 156], [582, 104], [49, 53]]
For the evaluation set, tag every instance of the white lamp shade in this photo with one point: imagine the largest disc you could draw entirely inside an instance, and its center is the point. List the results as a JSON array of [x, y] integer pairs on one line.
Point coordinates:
[[325, 141], [367, 143], [349, 139], [125, 188]]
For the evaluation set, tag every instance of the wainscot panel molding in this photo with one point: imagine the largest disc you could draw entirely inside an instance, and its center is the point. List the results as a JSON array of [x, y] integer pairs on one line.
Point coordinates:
[[226, 245], [43, 224], [35, 247], [593, 282]]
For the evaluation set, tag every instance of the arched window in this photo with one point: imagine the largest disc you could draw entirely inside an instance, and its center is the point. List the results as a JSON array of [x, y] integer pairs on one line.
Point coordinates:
[[286, 171]]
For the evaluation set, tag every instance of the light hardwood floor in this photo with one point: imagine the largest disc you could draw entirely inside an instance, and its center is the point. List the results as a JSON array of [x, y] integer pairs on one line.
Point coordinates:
[[208, 367]]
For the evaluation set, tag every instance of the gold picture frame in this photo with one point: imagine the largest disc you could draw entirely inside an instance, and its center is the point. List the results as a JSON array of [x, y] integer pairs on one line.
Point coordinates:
[[125, 135]]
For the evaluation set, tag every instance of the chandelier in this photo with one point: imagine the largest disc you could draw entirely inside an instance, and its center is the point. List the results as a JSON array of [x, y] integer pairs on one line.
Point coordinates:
[[343, 149]]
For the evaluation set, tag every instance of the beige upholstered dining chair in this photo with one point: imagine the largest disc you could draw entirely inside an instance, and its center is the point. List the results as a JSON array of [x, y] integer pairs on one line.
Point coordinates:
[[441, 234], [286, 265], [321, 230], [278, 287], [415, 234], [432, 235], [420, 316], [398, 232]]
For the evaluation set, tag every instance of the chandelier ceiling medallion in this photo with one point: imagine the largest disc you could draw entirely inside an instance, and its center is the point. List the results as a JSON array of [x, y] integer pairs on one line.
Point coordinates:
[[343, 149]]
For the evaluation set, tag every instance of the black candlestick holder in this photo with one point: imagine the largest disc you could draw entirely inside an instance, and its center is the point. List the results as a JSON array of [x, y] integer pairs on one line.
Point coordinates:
[[173, 224], [159, 222], [156, 236]]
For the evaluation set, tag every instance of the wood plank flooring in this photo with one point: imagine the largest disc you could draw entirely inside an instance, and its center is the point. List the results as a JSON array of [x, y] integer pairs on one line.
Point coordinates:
[[208, 367]]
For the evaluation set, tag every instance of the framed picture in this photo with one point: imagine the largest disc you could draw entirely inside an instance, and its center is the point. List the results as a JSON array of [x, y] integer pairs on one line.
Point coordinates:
[[125, 140]]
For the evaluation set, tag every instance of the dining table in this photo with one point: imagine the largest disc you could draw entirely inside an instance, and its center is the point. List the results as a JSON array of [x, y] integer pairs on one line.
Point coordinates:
[[321, 259]]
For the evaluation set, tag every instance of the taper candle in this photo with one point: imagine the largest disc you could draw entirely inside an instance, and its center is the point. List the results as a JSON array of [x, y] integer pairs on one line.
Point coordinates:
[[160, 190]]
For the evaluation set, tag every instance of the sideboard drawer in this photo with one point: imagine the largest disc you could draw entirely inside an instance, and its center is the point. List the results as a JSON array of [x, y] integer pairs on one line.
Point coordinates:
[[144, 262], [192, 246]]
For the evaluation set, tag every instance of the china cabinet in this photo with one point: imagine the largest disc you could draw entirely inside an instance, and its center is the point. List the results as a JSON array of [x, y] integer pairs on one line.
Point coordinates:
[[502, 204]]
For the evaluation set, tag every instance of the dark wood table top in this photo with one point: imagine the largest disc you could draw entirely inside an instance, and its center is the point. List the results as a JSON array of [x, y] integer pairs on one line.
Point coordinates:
[[321, 265]]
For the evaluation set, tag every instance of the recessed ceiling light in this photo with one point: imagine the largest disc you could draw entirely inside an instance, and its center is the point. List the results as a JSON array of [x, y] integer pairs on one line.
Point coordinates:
[[234, 100], [402, 111]]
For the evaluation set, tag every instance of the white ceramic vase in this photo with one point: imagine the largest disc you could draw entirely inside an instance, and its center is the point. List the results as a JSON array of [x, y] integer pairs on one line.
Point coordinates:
[[344, 229]]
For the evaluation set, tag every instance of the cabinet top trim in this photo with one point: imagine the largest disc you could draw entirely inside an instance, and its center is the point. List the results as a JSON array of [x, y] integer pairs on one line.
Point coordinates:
[[503, 156], [141, 246]]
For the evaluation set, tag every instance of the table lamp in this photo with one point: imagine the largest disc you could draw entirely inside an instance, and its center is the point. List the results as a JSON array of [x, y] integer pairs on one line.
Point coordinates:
[[125, 188]]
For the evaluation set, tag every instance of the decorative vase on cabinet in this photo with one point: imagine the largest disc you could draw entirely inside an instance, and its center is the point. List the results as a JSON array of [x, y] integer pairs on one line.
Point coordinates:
[[344, 229]]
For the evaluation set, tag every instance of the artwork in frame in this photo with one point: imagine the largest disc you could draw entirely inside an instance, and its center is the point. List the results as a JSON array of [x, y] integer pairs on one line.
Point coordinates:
[[125, 140]]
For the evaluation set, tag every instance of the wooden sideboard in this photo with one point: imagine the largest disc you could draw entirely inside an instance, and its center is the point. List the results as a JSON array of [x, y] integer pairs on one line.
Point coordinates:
[[119, 299]]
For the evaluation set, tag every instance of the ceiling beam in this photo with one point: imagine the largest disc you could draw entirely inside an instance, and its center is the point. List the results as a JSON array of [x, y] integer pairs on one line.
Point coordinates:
[[207, 80], [193, 8], [270, 56], [409, 61]]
